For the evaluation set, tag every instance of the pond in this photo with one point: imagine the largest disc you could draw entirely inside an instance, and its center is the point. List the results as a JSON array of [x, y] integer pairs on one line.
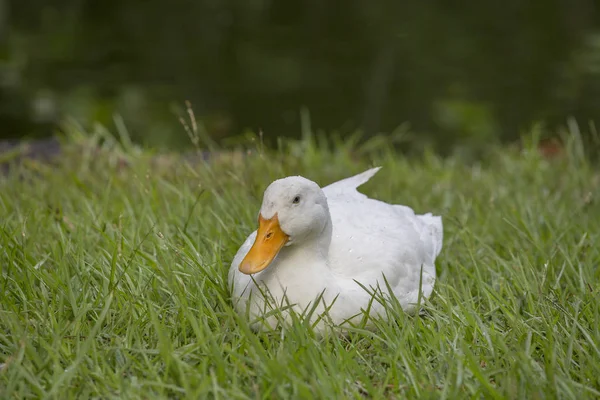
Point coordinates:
[[454, 74]]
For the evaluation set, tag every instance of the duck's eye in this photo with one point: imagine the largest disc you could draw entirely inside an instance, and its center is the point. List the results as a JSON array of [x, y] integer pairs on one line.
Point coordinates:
[[296, 200]]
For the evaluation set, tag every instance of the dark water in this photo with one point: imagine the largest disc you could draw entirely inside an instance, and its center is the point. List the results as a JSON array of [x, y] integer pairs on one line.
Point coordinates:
[[460, 73]]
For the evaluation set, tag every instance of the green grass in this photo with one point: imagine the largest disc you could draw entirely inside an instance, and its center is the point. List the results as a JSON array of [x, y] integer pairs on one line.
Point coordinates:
[[113, 279]]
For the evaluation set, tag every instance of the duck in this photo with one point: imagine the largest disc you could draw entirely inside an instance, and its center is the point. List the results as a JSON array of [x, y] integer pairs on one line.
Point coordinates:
[[332, 254]]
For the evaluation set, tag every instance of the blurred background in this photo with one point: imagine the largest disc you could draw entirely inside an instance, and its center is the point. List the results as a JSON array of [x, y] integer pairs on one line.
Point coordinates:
[[456, 73]]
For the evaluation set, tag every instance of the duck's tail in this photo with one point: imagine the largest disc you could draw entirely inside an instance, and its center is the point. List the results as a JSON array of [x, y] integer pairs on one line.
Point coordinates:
[[435, 232]]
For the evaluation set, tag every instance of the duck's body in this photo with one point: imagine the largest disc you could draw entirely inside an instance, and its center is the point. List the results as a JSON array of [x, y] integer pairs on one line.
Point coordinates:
[[329, 242]]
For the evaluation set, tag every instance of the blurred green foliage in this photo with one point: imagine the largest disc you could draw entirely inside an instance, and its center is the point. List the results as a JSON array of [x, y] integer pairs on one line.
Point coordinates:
[[461, 74]]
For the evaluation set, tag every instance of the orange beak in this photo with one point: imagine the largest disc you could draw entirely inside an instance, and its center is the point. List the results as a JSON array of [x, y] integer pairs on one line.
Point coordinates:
[[269, 240]]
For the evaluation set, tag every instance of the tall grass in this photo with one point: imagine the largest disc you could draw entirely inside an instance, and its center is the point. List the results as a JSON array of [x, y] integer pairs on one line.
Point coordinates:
[[114, 264]]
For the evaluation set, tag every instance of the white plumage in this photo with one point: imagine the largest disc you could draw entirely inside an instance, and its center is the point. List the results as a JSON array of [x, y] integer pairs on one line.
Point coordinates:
[[332, 238]]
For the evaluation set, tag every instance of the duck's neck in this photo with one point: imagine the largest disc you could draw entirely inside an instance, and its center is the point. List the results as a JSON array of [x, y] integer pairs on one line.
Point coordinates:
[[314, 248]]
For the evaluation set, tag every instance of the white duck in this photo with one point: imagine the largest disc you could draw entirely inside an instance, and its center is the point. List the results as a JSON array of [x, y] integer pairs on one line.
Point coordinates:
[[312, 241]]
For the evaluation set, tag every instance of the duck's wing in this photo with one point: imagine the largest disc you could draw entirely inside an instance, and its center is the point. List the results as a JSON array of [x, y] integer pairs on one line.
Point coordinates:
[[347, 187], [350, 208], [371, 238]]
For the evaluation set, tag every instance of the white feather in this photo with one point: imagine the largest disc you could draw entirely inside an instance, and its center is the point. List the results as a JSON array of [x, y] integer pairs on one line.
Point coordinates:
[[365, 240]]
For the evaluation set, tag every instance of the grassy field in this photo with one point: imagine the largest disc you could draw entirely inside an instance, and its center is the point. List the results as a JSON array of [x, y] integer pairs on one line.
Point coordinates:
[[114, 263]]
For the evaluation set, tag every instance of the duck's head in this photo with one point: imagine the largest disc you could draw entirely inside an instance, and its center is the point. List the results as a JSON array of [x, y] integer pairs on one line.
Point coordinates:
[[294, 210]]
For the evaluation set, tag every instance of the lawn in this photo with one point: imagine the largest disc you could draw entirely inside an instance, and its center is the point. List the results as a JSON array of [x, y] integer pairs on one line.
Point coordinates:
[[114, 268]]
